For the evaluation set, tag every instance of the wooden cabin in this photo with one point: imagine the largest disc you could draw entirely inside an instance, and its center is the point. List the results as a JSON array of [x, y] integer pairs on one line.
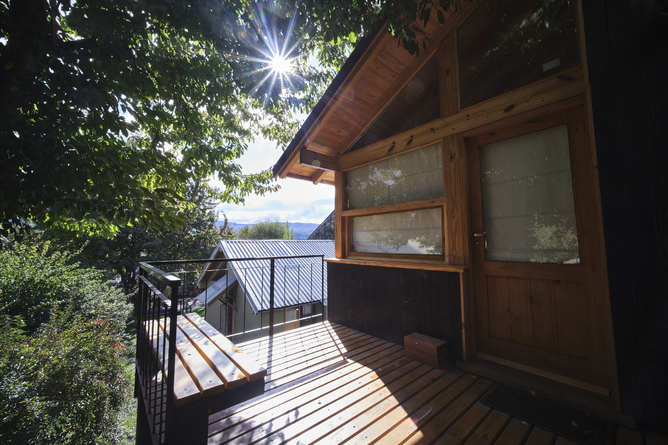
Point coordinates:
[[498, 190]]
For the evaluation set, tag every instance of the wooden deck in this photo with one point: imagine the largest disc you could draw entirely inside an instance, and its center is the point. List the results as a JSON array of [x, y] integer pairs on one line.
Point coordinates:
[[328, 383]]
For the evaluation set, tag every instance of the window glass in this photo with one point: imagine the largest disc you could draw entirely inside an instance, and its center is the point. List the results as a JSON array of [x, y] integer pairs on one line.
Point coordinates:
[[506, 44], [412, 232], [410, 177], [527, 199]]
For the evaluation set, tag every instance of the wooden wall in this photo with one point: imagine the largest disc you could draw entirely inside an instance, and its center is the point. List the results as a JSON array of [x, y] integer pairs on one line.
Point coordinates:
[[390, 303], [627, 47]]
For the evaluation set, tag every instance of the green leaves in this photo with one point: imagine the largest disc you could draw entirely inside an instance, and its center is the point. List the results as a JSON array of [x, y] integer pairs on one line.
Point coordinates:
[[102, 97], [62, 349]]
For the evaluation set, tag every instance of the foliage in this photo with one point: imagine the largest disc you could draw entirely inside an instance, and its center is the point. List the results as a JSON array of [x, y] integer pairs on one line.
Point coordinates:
[[61, 352], [194, 237], [266, 230], [38, 279], [63, 385], [109, 108]]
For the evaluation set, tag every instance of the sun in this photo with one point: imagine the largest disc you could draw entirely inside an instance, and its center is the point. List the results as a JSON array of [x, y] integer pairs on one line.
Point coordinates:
[[280, 64]]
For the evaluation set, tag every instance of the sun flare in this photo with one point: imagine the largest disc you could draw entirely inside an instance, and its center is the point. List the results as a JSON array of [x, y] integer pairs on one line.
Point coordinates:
[[280, 64]]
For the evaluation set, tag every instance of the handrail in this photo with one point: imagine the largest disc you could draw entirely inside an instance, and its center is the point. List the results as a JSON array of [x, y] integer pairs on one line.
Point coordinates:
[[166, 301], [214, 260], [159, 274]]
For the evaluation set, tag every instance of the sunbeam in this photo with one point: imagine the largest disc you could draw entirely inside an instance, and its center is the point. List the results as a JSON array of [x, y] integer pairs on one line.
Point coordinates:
[[277, 57]]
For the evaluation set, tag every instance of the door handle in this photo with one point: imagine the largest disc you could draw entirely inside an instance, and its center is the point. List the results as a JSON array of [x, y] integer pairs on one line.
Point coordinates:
[[479, 234]]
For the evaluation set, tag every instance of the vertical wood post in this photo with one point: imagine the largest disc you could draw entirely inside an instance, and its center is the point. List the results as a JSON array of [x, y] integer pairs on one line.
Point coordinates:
[[339, 229]]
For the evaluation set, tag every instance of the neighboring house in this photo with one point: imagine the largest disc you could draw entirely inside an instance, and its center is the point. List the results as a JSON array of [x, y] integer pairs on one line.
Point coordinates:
[[501, 190], [236, 293], [325, 230]]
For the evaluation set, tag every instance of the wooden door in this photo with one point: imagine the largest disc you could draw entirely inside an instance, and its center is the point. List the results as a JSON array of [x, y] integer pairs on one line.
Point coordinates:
[[537, 250]]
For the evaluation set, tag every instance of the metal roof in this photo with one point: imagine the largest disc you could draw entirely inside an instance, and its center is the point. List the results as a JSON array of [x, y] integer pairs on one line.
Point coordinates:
[[296, 280], [216, 288]]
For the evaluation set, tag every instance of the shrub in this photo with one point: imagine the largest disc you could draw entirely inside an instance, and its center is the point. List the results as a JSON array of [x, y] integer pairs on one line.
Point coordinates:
[[62, 350]]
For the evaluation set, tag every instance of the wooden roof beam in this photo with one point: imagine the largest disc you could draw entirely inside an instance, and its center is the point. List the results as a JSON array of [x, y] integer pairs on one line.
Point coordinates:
[[317, 160], [322, 149], [318, 176]]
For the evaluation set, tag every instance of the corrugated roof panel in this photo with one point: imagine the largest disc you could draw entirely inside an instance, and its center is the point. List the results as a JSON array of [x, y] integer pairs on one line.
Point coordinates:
[[296, 280]]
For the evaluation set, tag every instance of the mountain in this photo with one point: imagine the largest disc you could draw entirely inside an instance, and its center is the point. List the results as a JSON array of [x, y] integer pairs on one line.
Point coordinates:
[[299, 229]]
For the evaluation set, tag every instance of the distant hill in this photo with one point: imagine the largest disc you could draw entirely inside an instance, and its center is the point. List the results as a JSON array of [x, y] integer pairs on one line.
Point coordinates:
[[300, 230]]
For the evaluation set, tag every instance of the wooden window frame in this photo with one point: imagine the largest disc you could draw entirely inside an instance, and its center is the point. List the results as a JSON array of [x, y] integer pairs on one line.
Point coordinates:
[[440, 202]]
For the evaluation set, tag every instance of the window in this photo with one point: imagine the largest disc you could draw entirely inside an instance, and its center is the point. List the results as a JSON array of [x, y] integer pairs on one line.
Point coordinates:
[[527, 199], [506, 44], [416, 232], [396, 207], [409, 177]]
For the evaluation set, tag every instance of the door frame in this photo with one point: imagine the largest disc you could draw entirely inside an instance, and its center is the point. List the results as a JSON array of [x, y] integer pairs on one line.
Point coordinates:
[[592, 253]]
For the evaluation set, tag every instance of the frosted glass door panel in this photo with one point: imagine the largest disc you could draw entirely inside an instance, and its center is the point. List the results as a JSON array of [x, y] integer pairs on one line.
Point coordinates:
[[410, 177], [527, 199], [415, 232]]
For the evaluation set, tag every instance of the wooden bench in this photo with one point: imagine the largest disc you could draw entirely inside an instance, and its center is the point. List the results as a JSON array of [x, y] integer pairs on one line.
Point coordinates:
[[210, 373]]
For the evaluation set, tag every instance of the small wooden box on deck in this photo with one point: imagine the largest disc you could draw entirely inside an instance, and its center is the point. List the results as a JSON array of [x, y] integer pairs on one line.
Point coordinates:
[[429, 350]]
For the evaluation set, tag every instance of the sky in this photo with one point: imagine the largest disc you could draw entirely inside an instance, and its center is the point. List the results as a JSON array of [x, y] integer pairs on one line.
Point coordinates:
[[295, 201]]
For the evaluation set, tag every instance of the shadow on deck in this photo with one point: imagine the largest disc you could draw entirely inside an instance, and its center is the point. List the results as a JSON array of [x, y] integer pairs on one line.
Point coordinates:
[[328, 383]]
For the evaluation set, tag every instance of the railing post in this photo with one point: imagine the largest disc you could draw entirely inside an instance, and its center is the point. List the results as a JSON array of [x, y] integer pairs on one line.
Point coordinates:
[[271, 297], [322, 286], [171, 364]]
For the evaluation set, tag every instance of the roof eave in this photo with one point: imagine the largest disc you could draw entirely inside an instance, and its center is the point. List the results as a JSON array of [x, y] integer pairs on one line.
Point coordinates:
[[339, 82]]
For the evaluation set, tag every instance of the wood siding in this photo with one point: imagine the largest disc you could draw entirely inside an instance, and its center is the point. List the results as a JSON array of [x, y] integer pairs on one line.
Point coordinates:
[[390, 303]]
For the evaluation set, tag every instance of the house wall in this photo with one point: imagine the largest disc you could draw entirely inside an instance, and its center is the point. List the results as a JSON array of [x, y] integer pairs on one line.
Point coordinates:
[[215, 315], [390, 303], [627, 54]]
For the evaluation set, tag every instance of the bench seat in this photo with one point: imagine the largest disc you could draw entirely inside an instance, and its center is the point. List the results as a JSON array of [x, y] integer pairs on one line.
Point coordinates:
[[207, 363]]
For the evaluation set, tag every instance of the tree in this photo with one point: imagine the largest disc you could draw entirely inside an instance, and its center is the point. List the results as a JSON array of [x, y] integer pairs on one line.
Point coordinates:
[[109, 108], [266, 230], [62, 350], [194, 237]]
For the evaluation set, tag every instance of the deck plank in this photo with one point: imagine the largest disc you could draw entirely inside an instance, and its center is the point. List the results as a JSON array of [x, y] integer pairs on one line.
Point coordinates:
[[295, 349], [380, 387], [352, 417], [361, 428], [184, 386], [465, 425], [292, 401], [311, 359], [539, 436], [363, 362], [514, 433], [402, 422], [441, 415], [252, 370], [293, 423], [297, 374], [489, 429], [202, 374], [284, 415], [307, 354], [221, 364]]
